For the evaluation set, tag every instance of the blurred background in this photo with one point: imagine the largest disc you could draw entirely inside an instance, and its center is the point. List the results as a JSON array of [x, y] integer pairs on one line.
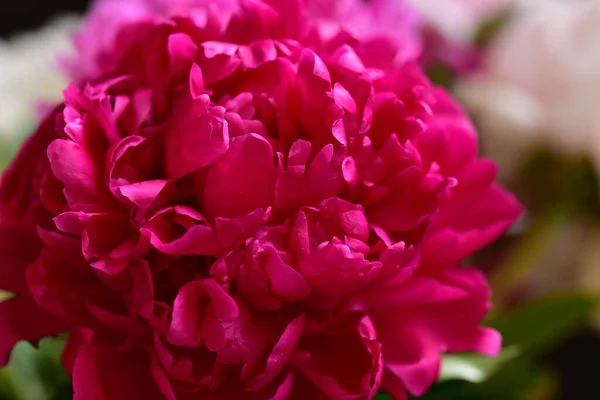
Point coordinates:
[[530, 78]]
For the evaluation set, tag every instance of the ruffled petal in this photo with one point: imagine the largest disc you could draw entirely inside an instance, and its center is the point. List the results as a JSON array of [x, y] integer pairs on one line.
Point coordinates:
[[108, 375], [21, 318]]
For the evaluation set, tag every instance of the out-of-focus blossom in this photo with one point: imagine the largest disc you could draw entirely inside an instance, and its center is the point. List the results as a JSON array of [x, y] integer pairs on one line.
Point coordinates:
[[449, 29], [541, 82], [458, 20], [29, 73]]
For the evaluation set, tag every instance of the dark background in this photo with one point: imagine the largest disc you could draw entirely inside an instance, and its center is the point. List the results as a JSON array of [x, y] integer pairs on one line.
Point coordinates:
[[22, 15], [576, 360]]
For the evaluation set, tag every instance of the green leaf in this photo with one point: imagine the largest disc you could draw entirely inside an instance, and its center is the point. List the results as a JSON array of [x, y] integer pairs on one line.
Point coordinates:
[[382, 396], [517, 264], [474, 367], [488, 30], [35, 373], [545, 322], [506, 384], [5, 295], [441, 75]]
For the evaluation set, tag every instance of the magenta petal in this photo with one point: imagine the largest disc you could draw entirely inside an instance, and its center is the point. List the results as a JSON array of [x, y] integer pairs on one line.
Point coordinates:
[[280, 353], [181, 50], [393, 385], [423, 329], [73, 166], [181, 230], [242, 180], [199, 311], [218, 61], [420, 375], [231, 231], [197, 136], [107, 375], [197, 88], [403, 210], [143, 194], [142, 290], [73, 223], [21, 318], [130, 161], [478, 212], [347, 365], [335, 270], [324, 179], [258, 53], [286, 283], [417, 290]]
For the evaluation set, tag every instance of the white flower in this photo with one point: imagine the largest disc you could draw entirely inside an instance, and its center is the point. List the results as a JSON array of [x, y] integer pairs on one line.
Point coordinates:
[[457, 19], [29, 74], [541, 84]]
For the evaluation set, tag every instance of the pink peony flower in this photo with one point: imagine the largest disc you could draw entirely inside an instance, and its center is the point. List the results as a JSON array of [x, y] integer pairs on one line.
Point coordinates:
[[390, 30], [250, 209]]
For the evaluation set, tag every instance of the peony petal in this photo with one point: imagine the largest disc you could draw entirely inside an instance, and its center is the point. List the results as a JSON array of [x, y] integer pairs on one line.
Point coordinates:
[[181, 230], [21, 318], [334, 270], [232, 231], [197, 302], [417, 290], [280, 353], [404, 209], [181, 49], [242, 180], [73, 166], [257, 53], [347, 365], [143, 194], [107, 375], [217, 61], [197, 136], [286, 283], [421, 330], [197, 88]]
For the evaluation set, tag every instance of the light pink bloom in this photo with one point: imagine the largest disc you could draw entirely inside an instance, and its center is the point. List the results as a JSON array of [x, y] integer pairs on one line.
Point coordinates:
[[243, 209], [458, 19], [540, 86]]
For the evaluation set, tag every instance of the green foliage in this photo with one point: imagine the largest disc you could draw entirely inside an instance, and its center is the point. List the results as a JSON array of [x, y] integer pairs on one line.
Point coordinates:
[[548, 181], [441, 74], [474, 368], [545, 322], [5, 295], [35, 373], [8, 148], [518, 261], [490, 28]]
